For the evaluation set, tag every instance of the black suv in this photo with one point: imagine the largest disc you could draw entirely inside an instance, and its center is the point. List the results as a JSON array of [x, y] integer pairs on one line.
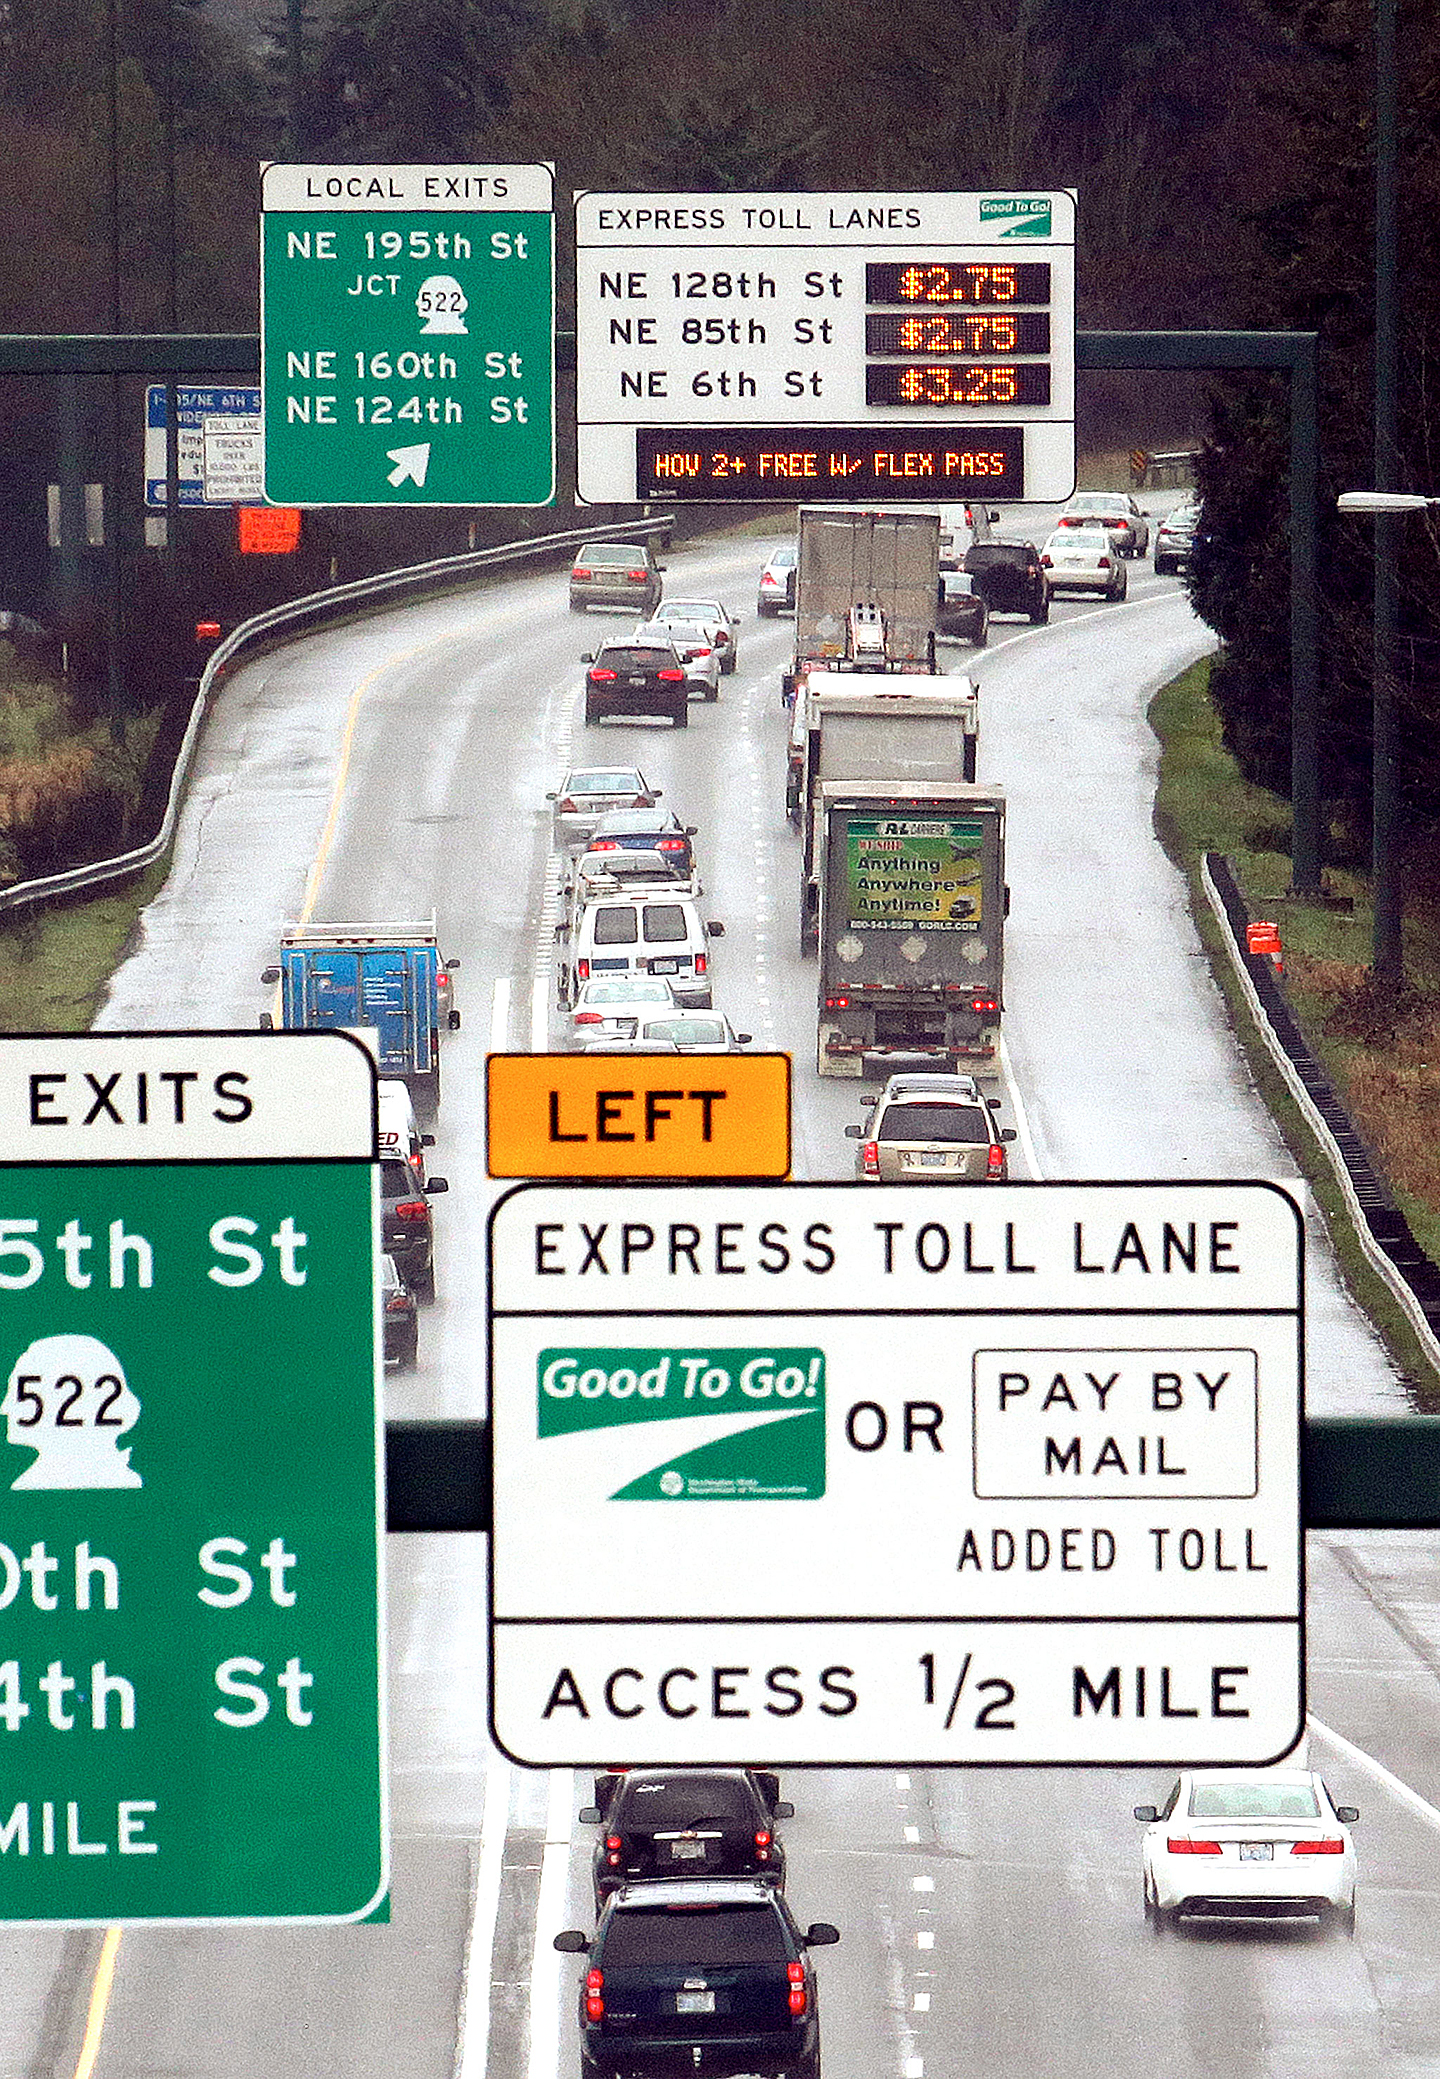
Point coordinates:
[[1009, 579], [686, 1823], [712, 1974], [407, 1231], [636, 678]]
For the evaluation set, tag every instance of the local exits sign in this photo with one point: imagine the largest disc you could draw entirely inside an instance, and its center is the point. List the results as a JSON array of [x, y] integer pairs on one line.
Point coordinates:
[[190, 1502]]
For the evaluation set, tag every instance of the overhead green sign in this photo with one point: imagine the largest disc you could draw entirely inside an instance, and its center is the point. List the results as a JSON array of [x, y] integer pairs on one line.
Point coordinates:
[[190, 1504], [407, 335]]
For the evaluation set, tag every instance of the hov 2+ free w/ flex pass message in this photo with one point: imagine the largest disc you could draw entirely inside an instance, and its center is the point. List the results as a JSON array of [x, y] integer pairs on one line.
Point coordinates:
[[841, 1473]]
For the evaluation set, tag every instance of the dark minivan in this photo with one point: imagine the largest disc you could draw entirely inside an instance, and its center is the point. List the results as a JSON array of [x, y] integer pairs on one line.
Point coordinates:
[[686, 1823], [1009, 578], [713, 1975]]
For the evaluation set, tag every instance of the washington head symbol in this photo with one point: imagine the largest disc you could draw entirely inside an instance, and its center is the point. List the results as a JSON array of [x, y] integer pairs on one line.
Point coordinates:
[[67, 1399]]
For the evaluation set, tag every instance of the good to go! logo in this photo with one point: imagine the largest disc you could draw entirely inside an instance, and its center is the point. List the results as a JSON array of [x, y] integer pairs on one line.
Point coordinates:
[[1029, 215], [752, 1421]]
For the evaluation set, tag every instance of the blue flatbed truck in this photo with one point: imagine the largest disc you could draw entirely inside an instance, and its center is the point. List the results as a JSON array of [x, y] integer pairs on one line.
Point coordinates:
[[384, 981]]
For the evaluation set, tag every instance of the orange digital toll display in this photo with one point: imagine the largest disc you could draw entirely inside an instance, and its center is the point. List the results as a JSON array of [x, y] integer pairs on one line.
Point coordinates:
[[978, 282], [755, 464], [954, 382], [959, 332]]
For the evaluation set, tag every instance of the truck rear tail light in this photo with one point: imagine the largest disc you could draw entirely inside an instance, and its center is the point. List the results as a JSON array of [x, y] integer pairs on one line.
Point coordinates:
[[995, 1160], [580, 571], [837, 1003], [671, 676], [582, 969], [870, 1158], [984, 1005], [597, 676], [413, 1209], [701, 963], [795, 1972], [1329, 1846], [1179, 1845], [594, 1995]]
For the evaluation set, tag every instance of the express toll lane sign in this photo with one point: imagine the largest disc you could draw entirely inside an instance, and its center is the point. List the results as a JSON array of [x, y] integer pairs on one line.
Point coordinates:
[[744, 348], [407, 335], [923, 1473], [191, 1713]]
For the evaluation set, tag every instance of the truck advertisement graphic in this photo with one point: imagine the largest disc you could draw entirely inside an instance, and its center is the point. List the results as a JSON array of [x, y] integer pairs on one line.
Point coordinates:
[[903, 873]]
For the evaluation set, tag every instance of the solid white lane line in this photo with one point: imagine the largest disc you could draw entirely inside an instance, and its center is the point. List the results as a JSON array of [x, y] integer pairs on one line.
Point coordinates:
[[1017, 1105], [472, 2043], [540, 1014], [1420, 1806], [500, 1015], [545, 1965]]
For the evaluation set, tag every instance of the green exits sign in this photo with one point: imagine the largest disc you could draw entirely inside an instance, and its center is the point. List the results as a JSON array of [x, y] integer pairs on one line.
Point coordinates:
[[693, 1424], [189, 1501], [904, 872], [407, 335]]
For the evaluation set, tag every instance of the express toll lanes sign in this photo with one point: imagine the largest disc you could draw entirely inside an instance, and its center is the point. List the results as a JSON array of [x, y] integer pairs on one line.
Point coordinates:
[[407, 335], [919, 1474], [190, 1492], [638, 1115], [743, 348]]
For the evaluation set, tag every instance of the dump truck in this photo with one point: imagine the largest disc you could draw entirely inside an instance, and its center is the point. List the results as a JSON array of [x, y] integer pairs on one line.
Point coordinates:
[[912, 906], [386, 982], [867, 593], [905, 731]]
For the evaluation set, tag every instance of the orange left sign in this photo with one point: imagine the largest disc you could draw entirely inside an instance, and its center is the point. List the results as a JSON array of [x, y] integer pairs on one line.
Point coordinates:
[[638, 1115]]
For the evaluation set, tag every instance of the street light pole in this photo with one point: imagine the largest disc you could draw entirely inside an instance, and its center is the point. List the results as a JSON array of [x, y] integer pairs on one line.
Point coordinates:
[[1387, 947]]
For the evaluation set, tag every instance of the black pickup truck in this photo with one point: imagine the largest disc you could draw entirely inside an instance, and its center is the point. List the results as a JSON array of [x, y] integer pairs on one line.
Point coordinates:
[[711, 1977]]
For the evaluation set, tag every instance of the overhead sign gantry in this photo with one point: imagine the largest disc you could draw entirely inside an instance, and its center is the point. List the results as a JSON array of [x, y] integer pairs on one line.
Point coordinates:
[[833, 346]]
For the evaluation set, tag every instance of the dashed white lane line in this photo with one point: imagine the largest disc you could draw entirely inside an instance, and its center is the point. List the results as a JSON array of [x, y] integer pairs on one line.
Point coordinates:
[[545, 1965], [912, 1833], [472, 2043], [914, 2068], [540, 1014], [920, 2004], [922, 1883], [924, 1939], [500, 1015]]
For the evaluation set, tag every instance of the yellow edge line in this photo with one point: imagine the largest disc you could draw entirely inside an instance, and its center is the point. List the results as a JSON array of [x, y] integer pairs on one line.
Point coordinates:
[[347, 741], [99, 2002]]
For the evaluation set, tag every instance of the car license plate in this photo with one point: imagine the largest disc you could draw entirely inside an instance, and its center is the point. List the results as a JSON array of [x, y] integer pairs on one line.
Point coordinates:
[[694, 2003], [637, 681], [1257, 1851], [662, 967], [687, 1851], [928, 1161]]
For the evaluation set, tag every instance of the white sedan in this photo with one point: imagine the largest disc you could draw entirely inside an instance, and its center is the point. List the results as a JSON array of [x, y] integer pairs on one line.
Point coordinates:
[[674, 1032], [695, 644], [1259, 1844], [714, 617], [609, 1007], [1116, 510], [1083, 559]]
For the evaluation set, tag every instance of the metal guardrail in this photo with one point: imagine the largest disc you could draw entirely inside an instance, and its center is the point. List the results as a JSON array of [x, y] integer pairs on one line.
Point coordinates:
[[338, 602]]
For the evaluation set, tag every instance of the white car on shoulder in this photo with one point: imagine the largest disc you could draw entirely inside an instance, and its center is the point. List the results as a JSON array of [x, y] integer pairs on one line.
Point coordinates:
[[1232, 1844], [1083, 559]]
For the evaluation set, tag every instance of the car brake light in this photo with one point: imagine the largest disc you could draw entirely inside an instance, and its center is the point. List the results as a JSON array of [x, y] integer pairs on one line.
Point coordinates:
[[589, 1018], [594, 1995], [642, 801], [1104, 562], [636, 577], [580, 571], [207, 631], [1045, 563], [604, 844], [693, 654], [565, 807], [413, 1209], [1178, 1845], [582, 969], [995, 1160], [984, 1004], [671, 844], [596, 676], [870, 1158], [670, 675], [1328, 1846], [795, 1972], [772, 582], [400, 1304], [699, 963], [762, 1840], [613, 1845]]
